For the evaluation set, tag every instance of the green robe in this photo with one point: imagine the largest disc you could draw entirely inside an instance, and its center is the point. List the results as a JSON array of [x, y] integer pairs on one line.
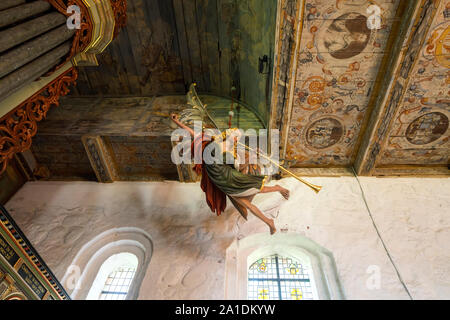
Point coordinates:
[[233, 182]]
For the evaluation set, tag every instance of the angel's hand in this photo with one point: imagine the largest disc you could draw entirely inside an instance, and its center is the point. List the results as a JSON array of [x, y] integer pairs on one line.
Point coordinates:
[[174, 117]]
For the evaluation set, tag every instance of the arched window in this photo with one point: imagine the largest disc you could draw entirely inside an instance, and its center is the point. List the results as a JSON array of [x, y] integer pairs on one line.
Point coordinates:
[[282, 266], [109, 265], [114, 278], [277, 277]]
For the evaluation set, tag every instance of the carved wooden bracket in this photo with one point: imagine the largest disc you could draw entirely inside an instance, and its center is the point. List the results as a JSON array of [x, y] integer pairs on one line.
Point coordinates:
[[19, 126]]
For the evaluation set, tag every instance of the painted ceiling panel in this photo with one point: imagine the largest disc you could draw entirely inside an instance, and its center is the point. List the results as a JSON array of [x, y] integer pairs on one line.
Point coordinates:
[[420, 132], [337, 67]]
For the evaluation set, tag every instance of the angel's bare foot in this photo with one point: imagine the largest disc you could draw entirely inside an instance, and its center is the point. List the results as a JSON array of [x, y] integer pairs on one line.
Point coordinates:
[[271, 224], [284, 192]]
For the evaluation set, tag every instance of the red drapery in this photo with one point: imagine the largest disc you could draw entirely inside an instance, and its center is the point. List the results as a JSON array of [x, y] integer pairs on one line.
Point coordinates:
[[215, 197]]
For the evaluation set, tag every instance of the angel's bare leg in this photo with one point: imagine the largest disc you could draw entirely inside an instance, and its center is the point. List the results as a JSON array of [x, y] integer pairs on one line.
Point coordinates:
[[284, 192], [244, 215], [246, 202]]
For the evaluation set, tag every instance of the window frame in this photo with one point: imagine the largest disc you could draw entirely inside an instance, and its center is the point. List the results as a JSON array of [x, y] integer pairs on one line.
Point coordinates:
[[304, 261], [113, 275], [83, 270], [243, 252]]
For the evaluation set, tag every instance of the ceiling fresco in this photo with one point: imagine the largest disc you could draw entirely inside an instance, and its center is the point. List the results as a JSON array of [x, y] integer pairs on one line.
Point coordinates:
[[338, 63], [420, 132]]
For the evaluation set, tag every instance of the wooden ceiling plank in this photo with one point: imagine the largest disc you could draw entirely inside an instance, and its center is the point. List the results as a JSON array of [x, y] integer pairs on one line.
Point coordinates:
[[152, 31], [209, 26], [202, 18], [131, 34], [254, 40], [224, 16], [183, 42], [127, 52], [84, 86], [126, 85], [161, 54], [195, 50]]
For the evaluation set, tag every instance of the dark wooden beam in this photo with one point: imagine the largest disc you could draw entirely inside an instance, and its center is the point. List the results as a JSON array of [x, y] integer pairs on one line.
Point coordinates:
[[290, 22], [22, 12], [5, 4], [28, 73], [101, 157], [13, 36], [31, 50]]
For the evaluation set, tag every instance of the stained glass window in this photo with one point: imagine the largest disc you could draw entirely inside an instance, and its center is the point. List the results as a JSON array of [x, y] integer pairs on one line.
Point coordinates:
[[117, 284], [279, 278]]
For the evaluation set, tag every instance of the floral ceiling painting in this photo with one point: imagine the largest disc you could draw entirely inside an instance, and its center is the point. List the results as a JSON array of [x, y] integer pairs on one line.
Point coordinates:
[[339, 58], [420, 131]]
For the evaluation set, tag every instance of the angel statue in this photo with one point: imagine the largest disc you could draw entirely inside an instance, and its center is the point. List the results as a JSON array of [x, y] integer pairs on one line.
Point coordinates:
[[237, 179]]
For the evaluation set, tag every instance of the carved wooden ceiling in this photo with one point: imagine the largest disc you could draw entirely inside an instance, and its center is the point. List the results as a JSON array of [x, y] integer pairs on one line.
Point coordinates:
[[343, 95]]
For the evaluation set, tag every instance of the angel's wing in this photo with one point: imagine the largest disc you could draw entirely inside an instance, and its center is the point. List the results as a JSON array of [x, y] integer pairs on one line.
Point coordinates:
[[197, 111]]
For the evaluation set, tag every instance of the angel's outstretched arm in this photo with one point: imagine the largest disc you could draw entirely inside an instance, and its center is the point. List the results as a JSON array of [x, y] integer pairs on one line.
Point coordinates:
[[175, 119]]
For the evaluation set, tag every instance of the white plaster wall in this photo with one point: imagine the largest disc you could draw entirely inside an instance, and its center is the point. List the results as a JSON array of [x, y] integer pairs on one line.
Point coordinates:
[[413, 217]]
